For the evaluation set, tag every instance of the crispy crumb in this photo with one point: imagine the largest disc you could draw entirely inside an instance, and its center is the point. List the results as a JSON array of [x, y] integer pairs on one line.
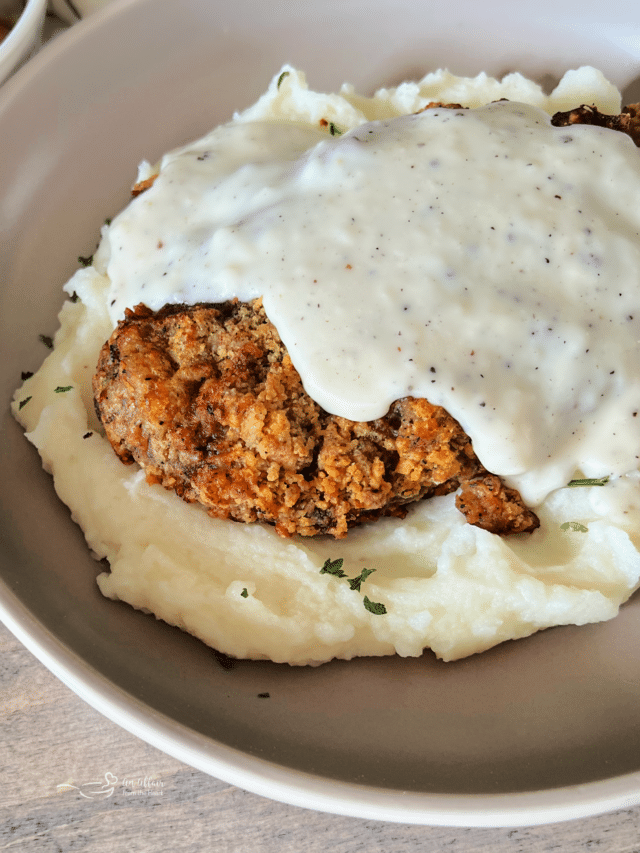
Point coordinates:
[[141, 186], [206, 399]]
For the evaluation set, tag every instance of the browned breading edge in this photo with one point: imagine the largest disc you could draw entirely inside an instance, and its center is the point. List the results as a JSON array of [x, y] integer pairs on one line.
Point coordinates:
[[206, 399], [141, 186], [627, 122]]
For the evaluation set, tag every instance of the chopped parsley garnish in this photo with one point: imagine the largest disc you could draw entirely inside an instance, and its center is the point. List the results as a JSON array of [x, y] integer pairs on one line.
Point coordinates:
[[574, 525], [46, 340], [23, 403], [334, 130], [334, 567], [589, 481], [74, 297], [374, 607], [85, 262], [356, 583], [245, 593], [26, 374], [281, 78], [62, 388]]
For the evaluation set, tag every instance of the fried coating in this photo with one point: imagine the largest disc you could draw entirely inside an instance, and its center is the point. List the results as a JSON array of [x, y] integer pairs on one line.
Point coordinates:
[[627, 122], [206, 400], [141, 186]]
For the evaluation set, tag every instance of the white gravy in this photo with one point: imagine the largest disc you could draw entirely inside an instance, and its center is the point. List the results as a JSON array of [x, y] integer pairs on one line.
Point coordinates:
[[479, 258]]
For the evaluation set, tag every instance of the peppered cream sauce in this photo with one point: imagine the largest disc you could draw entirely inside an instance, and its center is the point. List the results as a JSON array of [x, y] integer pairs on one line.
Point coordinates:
[[480, 258]]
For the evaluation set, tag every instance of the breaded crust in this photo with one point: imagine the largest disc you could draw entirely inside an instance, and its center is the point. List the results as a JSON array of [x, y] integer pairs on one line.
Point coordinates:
[[627, 122], [207, 401]]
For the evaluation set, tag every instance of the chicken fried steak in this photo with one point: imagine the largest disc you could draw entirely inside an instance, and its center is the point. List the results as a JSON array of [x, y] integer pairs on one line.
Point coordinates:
[[207, 401]]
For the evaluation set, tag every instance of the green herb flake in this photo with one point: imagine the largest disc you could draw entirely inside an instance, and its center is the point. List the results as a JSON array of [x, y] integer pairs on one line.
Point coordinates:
[[333, 568], [334, 130], [85, 262], [574, 525], [245, 593], [26, 374], [74, 297], [61, 389], [356, 583], [587, 481], [281, 78], [46, 340], [23, 403], [374, 607]]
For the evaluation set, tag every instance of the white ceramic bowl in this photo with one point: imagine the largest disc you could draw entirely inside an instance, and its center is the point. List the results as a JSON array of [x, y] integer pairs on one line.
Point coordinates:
[[23, 38], [540, 730]]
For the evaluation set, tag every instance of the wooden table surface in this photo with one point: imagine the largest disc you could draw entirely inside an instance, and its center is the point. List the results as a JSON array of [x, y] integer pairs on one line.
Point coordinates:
[[53, 747]]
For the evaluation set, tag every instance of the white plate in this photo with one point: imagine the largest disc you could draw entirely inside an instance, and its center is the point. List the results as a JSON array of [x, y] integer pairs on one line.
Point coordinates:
[[540, 730]]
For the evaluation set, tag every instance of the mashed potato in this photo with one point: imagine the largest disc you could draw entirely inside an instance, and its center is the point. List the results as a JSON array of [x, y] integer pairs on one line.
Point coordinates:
[[438, 582]]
